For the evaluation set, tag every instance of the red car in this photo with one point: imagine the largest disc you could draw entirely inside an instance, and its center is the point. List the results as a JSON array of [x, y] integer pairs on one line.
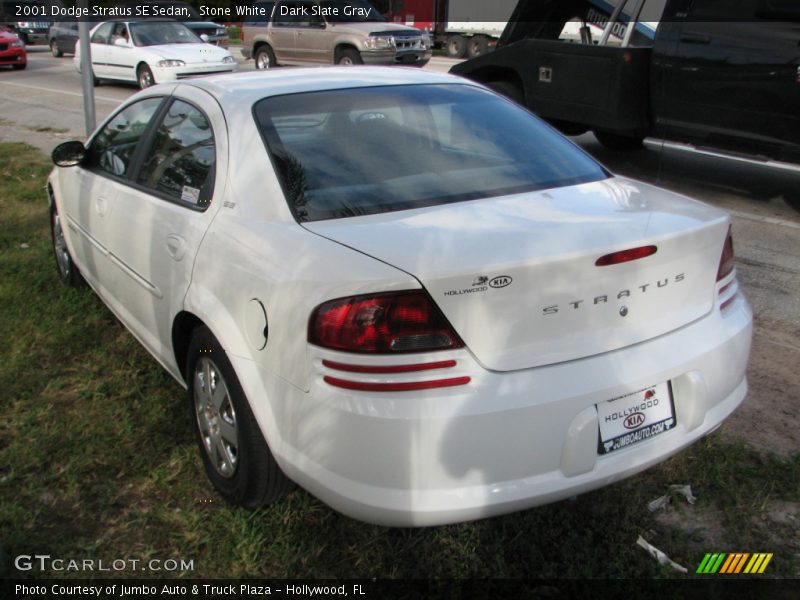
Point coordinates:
[[12, 50]]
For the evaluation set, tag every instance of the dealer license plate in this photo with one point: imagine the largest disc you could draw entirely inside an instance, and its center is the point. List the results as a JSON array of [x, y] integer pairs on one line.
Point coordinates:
[[635, 417]]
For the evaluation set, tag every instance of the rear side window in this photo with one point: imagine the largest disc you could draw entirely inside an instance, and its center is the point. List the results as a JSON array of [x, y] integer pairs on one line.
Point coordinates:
[[180, 163], [362, 151], [103, 33]]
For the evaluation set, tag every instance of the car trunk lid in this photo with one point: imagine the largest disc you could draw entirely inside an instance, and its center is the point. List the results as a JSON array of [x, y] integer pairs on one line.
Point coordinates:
[[517, 277]]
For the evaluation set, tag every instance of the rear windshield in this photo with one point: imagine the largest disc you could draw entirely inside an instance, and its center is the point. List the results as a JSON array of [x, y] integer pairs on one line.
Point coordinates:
[[343, 153]]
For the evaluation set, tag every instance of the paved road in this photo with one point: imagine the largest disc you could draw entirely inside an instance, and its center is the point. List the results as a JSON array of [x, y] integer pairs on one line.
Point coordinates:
[[44, 105]]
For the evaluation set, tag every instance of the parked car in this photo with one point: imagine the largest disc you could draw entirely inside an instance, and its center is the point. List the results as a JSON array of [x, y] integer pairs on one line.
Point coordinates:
[[148, 52], [12, 50], [215, 33], [401, 291], [62, 38], [28, 19], [342, 32]]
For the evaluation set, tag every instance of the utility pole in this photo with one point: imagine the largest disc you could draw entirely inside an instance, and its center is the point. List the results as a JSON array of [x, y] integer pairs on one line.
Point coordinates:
[[86, 71]]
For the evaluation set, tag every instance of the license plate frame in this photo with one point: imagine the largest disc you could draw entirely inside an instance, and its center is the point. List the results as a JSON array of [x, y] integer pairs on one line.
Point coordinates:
[[642, 415]]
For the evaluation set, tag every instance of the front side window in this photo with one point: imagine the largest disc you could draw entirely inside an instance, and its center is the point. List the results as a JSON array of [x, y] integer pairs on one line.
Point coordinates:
[[113, 148], [181, 162], [361, 151]]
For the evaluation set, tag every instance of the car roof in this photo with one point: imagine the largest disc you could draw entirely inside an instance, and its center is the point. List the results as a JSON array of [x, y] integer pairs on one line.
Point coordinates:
[[248, 87]]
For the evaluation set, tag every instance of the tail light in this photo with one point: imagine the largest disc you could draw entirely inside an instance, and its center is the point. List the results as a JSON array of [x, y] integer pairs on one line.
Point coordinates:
[[726, 261], [382, 324]]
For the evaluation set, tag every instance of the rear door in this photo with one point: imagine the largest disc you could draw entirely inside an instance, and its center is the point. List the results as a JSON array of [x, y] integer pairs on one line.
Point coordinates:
[[100, 40], [282, 31]]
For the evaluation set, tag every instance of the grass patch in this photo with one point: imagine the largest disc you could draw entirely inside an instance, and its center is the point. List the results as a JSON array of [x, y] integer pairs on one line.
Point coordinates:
[[97, 461], [234, 34]]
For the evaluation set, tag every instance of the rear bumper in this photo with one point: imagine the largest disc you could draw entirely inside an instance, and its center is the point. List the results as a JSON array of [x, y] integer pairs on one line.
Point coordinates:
[[505, 441]]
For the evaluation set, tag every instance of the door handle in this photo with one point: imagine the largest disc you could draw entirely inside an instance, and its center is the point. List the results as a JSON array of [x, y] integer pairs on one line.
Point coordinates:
[[101, 205], [176, 246], [693, 38]]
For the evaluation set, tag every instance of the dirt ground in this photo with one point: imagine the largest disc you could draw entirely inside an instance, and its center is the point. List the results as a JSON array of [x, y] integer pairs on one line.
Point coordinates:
[[769, 418]]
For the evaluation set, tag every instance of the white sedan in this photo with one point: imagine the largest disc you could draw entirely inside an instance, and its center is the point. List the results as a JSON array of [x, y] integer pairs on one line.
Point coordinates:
[[148, 52], [401, 291]]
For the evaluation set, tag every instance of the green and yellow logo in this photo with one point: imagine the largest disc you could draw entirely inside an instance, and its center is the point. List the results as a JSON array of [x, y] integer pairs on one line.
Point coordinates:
[[734, 563]]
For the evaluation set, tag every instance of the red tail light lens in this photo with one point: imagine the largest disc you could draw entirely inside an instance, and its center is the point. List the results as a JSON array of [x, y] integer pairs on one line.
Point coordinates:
[[382, 323], [726, 262]]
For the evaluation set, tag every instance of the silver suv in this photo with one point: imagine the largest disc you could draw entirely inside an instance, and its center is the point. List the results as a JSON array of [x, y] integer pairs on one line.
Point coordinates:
[[342, 32]]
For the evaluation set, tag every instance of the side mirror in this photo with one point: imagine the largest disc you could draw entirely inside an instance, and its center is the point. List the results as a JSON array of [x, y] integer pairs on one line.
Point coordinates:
[[68, 154], [204, 37], [122, 43]]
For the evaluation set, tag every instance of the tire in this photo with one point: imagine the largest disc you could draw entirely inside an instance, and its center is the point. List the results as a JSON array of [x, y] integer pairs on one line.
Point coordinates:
[[509, 89], [235, 455], [144, 77], [456, 46], [54, 49], [95, 80], [349, 57], [19, 67], [265, 58], [616, 141], [68, 272], [477, 45]]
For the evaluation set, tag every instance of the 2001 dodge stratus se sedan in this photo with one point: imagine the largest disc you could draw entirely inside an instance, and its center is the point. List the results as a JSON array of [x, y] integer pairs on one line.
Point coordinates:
[[401, 291]]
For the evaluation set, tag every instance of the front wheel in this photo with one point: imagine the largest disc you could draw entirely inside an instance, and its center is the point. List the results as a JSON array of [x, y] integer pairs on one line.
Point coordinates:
[[235, 454], [67, 270], [54, 49], [349, 57], [144, 76]]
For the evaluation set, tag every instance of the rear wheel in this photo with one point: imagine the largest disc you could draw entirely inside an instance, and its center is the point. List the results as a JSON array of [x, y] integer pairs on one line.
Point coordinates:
[[456, 46], [618, 141], [477, 45], [236, 457], [54, 49], [264, 58], [349, 57], [67, 270], [144, 76]]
